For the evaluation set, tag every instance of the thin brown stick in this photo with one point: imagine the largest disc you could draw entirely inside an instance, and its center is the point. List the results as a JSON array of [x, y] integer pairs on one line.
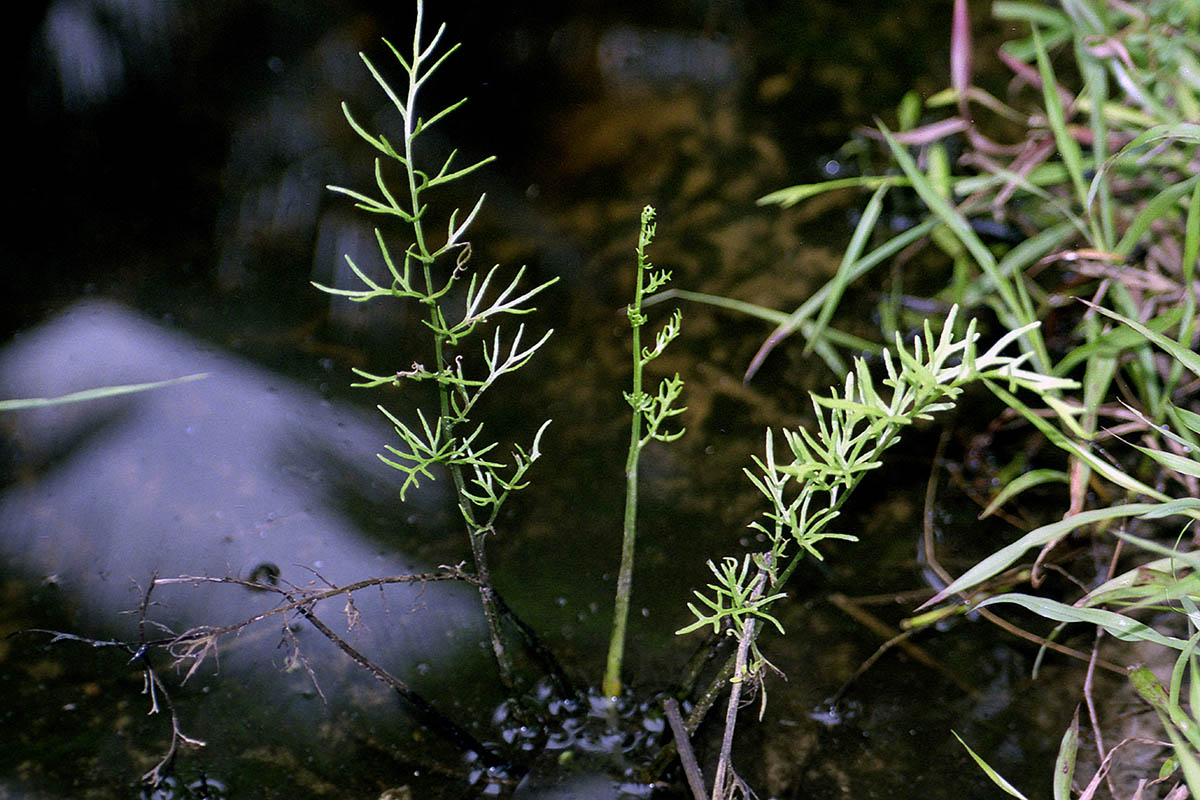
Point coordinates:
[[930, 553], [1089, 701], [666, 753], [197, 642], [202, 633], [538, 650], [154, 688], [487, 598], [687, 757], [429, 716], [1042, 641], [892, 638], [1088, 681]]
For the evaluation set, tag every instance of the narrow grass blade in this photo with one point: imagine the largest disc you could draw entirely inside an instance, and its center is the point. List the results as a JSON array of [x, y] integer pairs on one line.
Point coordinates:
[[1028, 480], [1180, 464], [1188, 559], [1006, 556], [1185, 131], [1183, 505], [958, 225], [1184, 355], [786, 198], [1163, 202], [1150, 582], [1190, 419], [1095, 81], [95, 394], [1152, 692], [1111, 343], [1182, 665], [727, 303], [1087, 19], [1021, 256], [991, 773], [798, 318], [824, 348], [1060, 440], [1030, 12], [1122, 627], [1068, 148], [837, 286], [1191, 255], [1191, 247], [1064, 764]]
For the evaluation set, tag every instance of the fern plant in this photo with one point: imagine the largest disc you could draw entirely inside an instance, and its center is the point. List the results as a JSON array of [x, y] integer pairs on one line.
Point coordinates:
[[428, 271], [650, 410], [805, 493]]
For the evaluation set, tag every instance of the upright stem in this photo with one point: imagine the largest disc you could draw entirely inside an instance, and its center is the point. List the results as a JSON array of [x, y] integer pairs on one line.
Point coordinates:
[[487, 596], [616, 646], [475, 531], [740, 674]]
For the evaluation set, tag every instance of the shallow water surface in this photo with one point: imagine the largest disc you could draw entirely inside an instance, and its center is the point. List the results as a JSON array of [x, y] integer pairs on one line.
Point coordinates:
[[197, 161]]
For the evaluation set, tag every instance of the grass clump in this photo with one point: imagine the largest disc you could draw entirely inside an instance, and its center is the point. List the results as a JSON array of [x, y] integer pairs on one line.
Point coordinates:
[[1073, 199]]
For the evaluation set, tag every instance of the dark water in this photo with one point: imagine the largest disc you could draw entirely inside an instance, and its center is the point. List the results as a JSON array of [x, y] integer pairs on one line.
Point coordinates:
[[171, 174]]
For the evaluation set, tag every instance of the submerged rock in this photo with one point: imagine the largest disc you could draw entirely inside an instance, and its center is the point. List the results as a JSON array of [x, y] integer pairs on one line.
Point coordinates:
[[241, 474]]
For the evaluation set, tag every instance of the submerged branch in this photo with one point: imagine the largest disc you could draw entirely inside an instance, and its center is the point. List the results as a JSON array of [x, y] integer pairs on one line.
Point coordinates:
[[420, 708]]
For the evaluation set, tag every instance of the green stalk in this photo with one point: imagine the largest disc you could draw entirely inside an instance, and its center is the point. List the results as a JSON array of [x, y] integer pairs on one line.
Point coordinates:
[[479, 481], [475, 532], [641, 406]]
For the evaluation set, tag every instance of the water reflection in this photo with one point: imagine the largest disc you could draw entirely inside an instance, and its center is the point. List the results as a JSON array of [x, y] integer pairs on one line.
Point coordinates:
[[92, 43], [595, 110], [242, 474]]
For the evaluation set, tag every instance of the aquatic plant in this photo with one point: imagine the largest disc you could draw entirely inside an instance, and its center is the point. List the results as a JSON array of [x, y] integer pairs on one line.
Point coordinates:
[[430, 275], [1096, 198], [1162, 579], [1088, 205], [805, 492], [650, 410]]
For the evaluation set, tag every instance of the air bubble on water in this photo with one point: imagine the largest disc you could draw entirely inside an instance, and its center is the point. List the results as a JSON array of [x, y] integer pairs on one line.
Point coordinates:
[[827, 715], [210, 787]]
